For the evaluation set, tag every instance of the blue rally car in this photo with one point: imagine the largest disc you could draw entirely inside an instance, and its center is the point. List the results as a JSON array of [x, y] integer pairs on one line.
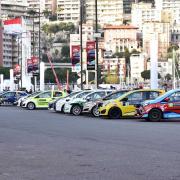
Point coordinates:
[[10, 97]]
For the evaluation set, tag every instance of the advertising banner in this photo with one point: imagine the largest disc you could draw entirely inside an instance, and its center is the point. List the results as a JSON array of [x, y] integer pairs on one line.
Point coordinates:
[[75, 58], [29, 65], [90, 49], [32, 64], [35, 63], [17, 70], [13, 26]]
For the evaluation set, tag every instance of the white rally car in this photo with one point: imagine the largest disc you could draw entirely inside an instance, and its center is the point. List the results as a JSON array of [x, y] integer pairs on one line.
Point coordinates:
[[58, 105], [76, 106]]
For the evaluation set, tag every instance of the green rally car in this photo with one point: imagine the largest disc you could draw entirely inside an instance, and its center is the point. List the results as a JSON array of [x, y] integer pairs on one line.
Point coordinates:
[[42, 99]]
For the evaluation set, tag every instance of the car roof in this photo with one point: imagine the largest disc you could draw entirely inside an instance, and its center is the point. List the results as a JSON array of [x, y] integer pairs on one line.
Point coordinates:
[[166, 95], [140, 90]]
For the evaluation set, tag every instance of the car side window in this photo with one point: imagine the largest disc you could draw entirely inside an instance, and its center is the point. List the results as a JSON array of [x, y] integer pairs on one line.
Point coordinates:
[[57, 94], [153, 95], [45, 95], [137, 96], [9, 94]]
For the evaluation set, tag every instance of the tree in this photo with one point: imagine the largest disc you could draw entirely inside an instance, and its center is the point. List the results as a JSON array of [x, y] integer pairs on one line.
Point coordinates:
[[118, 54], [127, 55], [173, 46], [112, 79], [61, 74], [146, 74], [53, 28], [65, 51], [47, 13], [5, 72], [134, 51]]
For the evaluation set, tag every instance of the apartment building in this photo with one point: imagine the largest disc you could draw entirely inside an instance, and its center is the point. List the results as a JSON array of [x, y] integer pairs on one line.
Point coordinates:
[[163, 31], [137, 64], [173, 5], [118, 38], [51, 5], [1, 39], [36, 5], [109, 11], [144, 12], [12, 9]]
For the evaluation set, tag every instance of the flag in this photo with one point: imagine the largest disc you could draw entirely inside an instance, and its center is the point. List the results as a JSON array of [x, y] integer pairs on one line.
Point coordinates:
[[13, 26]]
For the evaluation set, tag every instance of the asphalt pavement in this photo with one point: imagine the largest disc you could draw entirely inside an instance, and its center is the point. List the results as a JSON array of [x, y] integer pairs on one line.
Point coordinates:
[[43, 145]]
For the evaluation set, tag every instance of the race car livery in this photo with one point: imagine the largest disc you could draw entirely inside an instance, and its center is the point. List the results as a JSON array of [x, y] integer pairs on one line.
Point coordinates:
[[166, 106]]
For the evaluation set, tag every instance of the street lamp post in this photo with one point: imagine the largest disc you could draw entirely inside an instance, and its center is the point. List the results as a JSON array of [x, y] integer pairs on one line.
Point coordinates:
[[96, 30], [39, 43], [20, 56], [81, 40]]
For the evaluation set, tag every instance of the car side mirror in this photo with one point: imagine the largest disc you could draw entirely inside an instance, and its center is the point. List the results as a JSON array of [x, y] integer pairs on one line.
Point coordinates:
[[167, 99], [88, 98], [67, 100]]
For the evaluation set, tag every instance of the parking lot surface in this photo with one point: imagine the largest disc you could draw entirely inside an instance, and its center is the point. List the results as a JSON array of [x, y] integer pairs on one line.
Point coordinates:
[[43, 145]]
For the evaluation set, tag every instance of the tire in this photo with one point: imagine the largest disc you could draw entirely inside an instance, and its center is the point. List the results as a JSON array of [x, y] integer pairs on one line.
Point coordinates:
[[95, 111], [155, 115], [115, 113], [31, 106], [76, 110]]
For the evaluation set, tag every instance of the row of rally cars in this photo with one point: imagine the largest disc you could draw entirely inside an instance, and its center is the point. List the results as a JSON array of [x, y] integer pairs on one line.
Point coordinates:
[[152, 105]]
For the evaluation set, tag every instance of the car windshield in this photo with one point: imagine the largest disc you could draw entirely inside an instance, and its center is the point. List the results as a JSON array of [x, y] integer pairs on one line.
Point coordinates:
[[34, 94], [72, 94], [114, 95], [160, 98]]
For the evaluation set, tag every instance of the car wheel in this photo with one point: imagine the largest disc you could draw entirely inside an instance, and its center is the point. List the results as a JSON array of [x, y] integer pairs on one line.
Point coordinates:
[[76, 110], [95, 111], [155, 115], [31, 106], [114, 113]]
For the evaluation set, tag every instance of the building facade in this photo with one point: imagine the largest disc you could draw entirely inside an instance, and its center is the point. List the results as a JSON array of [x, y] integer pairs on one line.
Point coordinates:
[[12, 9], [109, 11], [173, 5], [137, 64], [163, 32], [143, 12], [118, 38]]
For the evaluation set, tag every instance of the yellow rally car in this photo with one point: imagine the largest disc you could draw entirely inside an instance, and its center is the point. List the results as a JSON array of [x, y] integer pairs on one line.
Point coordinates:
[[42, 99], [126, 104]]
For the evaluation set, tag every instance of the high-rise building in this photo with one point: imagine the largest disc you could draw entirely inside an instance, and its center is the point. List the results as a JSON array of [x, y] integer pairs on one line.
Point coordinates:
[[36, 5], [1, 39], [144, 12], [109, 11], [173, 5], [51, 5], [163, 31], [127, 6], [12, 9]]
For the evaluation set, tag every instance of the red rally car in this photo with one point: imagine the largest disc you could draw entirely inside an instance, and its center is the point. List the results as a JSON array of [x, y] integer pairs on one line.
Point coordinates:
[[166, 106]]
